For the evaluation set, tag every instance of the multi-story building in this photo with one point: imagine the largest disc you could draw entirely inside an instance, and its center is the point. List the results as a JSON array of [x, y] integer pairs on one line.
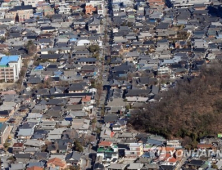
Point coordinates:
[[100, 9], [64, 8], [20, 13], [45, 9], [135, 150], [108, 151], [30, 2], [10, 67], [4, 133]]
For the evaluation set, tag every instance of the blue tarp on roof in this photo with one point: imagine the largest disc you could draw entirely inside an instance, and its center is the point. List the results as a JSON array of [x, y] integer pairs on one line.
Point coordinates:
[[73, 39], [39, 67], [57, 73]]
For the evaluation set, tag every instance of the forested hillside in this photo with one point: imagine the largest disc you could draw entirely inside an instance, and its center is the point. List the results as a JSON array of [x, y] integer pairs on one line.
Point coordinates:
[[190, 111]]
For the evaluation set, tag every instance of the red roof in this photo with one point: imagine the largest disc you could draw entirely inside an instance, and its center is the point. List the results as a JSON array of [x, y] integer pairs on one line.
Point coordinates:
[[112, 134], [205, 146], [34, 168], [105, 143], [18, 145], [86, 99], [172, 160], [56, 162]]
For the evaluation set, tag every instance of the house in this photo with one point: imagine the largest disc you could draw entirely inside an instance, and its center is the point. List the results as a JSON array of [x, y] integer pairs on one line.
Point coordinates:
[[133, 166], [50, 57], [116, 166], [17, 147], [41, 156], [48, 29], [79, 24], [86, 61], [35, 168], [81, 125], [116, 105], [5, 114], [5, 131], [34, 143], [26, 130], [34, 80], [56, 163], [110, 118], [194, 163], [64, 8], [77, 87], [17, 166], [137, 95], [120, 125], [98, 166], [108, 151], [24, 158], [94, 25], [106, 133], [89, 9], [73, 158]]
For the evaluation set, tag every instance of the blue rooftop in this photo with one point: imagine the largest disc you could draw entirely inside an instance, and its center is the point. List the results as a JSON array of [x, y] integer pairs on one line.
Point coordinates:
[[1, 124], [6, 59]]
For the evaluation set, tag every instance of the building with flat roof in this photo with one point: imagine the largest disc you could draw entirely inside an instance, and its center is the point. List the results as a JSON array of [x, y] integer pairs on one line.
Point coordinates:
[[10, 67]]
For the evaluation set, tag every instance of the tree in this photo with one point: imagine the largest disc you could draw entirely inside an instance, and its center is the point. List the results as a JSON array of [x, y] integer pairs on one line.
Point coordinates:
[[98, 130], [36, 63], [7, 53], [94, 120], [94, 48], [44, 148], [94, 123], [78, 146], [6, 145], [214, 166], [12, 159], [73, 168], [31, 47], [56, 146]]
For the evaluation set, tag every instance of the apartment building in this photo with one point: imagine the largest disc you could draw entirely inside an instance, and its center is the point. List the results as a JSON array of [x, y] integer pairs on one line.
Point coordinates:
[[10, 67], [20, 13]]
